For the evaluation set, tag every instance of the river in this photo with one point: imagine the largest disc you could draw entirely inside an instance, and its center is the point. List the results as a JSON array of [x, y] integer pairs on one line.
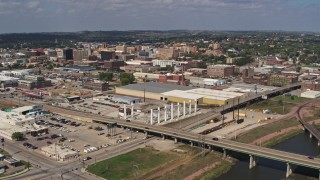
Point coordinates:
[[269, 169]]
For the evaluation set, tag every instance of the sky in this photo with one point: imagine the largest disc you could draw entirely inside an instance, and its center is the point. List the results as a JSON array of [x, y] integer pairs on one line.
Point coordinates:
[[80, 15]]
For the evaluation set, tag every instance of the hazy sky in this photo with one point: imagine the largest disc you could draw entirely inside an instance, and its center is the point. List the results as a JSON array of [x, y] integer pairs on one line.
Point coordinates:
[[78, 15]]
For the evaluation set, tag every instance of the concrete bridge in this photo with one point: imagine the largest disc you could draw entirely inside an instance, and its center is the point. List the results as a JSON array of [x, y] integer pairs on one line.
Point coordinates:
[[226, 145]]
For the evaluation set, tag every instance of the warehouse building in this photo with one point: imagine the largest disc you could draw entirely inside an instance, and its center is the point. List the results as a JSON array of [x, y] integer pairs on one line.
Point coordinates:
[[149, 90], [203, 96], [311, 94], [8, 81]]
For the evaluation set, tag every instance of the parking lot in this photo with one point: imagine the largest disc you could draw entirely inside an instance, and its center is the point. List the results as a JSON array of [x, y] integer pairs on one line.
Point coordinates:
[[74, 135]]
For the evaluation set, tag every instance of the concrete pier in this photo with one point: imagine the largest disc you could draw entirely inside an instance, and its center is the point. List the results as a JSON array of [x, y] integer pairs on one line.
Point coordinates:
[[131, 110], [289, 170], [310, 135], [178, 111], [158, 115], [224, 153], [252, 162], [124, 111], [175, 140], [195, 107], [190, 108], [171, 111], [184, 108], [151, 116], [165, 113]]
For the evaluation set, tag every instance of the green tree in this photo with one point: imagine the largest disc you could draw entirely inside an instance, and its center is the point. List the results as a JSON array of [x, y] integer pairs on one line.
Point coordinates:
[[298, 69], [126, 78], [105, 76], [17, 136], [124, 81]]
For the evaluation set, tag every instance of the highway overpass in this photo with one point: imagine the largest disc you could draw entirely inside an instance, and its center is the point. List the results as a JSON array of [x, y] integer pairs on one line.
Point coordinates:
[[226, 145]]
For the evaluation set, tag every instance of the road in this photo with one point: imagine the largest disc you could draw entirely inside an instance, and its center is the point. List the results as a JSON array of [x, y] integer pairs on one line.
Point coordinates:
[[45, 168]]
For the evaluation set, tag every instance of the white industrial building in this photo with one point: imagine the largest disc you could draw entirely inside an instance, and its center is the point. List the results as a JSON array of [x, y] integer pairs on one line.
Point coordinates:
[[59, 153], [311, 94], [6, 81], [20, 120], [213, 82], [163, 63]]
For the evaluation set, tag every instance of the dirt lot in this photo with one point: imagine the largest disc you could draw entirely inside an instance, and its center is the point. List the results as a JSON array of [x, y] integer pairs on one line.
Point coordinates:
[[253, 119]]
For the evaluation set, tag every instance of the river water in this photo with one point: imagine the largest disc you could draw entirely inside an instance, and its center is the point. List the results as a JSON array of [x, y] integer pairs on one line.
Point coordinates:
[[272, 170]]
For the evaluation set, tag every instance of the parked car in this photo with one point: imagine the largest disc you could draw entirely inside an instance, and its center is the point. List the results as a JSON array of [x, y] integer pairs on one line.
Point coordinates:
[[310, 157], [87, 158]]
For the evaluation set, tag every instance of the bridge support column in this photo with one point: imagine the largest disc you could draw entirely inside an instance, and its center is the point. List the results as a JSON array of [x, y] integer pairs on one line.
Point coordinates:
[[131, 110], [158, 115], [289, 170], [310, 135], [165, 113], [178, 111], [151, 116], [195, 106], [124, 111], [190, 107], [318, 143], [184, 108], [224, 153], [171, 111], [191, 143], [146, 134], [163, 137], [175, 140], [252, 162]]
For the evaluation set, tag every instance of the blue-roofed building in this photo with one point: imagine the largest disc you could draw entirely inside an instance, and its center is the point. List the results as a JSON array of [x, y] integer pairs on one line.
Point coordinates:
[[79, 68]]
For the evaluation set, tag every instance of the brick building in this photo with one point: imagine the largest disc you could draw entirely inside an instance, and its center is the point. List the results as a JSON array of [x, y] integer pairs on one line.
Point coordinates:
[[220, 70], [177, 79], [113, 64], [31, 82], [310, 85], [167, 53], [107, 55], [98, 86], [282, 80]]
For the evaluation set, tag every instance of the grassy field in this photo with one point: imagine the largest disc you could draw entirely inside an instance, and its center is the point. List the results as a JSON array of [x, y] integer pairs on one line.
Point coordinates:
[[132, 164], [266, 129], [291, 99], [272, 105], [315, 113], [221, 169], [187, 169]]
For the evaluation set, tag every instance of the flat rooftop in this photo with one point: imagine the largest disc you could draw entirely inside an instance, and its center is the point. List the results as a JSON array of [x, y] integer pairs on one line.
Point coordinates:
[[182, 94], [212, 92], [155, 87]]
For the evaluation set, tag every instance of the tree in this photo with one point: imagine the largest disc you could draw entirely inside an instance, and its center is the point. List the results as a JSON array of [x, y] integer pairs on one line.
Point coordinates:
[[50, 66], [105, 76], [298, 69], [126, 78], [124, 81], [17, 136]]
